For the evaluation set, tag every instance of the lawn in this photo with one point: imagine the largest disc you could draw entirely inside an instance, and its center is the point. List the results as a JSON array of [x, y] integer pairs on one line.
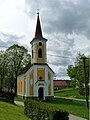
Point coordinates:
[[69, 92], [72, 107], [18, 99], [77, 108], [11, 112]]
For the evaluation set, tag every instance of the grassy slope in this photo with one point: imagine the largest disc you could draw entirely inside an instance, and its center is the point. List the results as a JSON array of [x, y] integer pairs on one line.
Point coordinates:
[[73, 107], [18, 99], [11, 112], [69, 92]]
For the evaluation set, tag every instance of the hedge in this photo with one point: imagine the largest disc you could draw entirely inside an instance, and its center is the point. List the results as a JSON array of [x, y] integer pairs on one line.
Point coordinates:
[[7, 96], [37, 110]]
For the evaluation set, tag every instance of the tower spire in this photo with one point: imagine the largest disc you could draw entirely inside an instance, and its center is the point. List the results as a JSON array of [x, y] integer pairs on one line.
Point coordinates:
[[38, 32]]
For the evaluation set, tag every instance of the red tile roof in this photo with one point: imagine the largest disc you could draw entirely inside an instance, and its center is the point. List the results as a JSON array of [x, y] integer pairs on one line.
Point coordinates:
[[60, 83]]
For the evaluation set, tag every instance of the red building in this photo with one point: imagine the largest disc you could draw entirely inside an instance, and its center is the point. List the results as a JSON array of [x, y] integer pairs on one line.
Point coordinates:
[[60, 84]]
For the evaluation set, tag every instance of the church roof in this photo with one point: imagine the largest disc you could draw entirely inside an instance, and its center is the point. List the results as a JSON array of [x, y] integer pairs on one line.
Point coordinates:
[[29, 65], [38, 32], [24, 70]]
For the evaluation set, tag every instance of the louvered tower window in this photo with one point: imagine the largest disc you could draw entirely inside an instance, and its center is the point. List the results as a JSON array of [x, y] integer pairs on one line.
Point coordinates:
[[40, 53]]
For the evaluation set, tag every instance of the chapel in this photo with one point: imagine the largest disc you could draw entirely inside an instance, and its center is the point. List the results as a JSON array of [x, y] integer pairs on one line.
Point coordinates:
[[36, 79]]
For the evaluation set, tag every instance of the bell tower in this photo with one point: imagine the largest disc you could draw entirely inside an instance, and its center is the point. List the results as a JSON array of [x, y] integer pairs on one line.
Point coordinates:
[[36, 79], [38, 45]]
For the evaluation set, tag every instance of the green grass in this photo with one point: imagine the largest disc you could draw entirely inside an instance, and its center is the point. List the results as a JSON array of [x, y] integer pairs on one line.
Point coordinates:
[[72, 107], [69, 92], [18, 99], [11, 112], [77, 108]]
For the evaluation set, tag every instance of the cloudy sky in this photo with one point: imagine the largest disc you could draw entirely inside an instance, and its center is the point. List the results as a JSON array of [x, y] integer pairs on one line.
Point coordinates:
[[65, 23]]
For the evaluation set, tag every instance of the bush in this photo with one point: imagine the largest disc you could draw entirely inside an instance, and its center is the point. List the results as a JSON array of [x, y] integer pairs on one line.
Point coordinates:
[[37, 110], [7, 96]]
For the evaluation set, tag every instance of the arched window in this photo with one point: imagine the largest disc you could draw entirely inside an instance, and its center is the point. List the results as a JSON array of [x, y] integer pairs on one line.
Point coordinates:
[[40, 53]]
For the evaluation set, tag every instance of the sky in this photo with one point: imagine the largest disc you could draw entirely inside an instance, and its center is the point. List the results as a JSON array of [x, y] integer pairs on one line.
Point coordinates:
[[65, 23]]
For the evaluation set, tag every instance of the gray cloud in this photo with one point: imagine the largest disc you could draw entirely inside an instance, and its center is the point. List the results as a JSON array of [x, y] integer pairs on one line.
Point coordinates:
[[59, 47], [7, 40], [59, 20], [62, 71], [62, 16], [62, 21]]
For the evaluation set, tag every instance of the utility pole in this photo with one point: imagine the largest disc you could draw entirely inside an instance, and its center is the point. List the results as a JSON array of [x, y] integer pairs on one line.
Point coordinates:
[[86, 86]]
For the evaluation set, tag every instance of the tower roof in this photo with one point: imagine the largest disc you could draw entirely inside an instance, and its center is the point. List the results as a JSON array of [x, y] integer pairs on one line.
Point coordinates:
[[38, 32]]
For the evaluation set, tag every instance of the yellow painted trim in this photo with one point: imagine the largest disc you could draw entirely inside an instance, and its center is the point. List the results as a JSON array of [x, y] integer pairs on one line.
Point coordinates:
[[49, 76], [32, 81], [40, 73], [21, 86], [24, 86], [40, 60], [18, 86], [49, 89]]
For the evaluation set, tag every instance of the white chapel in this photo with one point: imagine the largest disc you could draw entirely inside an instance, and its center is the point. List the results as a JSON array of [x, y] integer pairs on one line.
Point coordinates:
[[36, 79]]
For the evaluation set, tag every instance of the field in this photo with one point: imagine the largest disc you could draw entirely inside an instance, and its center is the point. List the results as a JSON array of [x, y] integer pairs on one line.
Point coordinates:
[[11, 112], [69, 92], [77, 108]]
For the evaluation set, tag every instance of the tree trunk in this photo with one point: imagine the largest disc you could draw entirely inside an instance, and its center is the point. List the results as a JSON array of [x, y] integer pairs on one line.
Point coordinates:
[[11, 87], [1, 86], [16, 85]]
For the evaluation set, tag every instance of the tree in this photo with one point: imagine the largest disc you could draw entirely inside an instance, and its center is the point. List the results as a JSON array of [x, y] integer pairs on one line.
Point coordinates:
[[77, 72], [3, 66], [18, 58]]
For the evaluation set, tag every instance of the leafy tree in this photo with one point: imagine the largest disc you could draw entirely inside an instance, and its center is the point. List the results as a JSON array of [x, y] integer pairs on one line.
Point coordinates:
[[12, 61], [18, 58], [72, 71], [9, 80], [76, 72], [3, 66]]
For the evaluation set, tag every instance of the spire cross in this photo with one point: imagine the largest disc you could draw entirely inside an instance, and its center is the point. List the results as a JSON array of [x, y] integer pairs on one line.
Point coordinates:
[[38, 11]]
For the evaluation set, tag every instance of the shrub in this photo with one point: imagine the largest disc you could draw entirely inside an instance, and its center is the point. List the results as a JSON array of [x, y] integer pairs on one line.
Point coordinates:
[[37, 110], [7, 96]]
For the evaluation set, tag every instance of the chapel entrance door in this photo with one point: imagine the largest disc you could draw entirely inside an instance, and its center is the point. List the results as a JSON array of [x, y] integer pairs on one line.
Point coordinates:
[[40, 93]]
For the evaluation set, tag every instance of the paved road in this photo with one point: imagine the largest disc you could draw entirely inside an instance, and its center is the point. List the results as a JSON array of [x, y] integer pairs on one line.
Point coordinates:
[[19, 103], [71, 117], [70, 98]]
